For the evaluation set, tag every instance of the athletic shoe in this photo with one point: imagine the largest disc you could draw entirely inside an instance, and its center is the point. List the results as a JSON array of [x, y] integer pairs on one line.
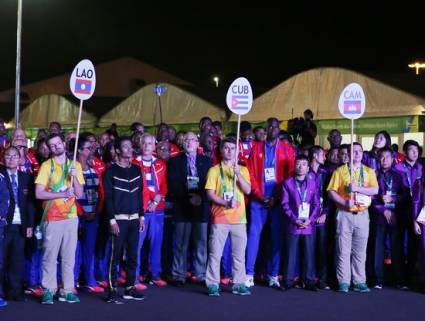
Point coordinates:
[[378, 286], [361, 287], [140, 287], [213, 290], [240, 289], [36, 291], [132, 293], [225, 280], [402, 287], [3, 302], [324, 286], [274, 282], [159, 283], [113, 297], [103, 284], [249, 281], [343, 287], [68, 297], [47, 297], [95, 289]]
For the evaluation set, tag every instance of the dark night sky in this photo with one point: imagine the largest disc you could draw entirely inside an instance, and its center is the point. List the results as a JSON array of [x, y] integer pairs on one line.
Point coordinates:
[[267, 45]]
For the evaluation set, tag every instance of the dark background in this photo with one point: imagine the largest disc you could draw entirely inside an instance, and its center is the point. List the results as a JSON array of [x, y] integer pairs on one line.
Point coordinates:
[[194, 42]]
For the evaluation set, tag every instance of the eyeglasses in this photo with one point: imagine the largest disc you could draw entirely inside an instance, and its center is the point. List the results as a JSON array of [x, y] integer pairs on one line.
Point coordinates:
[[191, 140], [11, 156], [20, 146]]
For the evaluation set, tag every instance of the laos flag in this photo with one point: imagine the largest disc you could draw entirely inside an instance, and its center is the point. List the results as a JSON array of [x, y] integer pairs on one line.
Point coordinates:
[[82, 86]]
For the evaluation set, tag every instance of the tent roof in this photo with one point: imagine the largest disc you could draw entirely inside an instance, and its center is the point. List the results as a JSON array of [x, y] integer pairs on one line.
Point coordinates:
[[49, 108], [319, 90], [178, 107]]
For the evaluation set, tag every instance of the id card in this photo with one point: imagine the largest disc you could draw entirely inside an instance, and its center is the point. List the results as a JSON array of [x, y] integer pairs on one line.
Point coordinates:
[[192, 182], [269, 174], [421, 216], [227, 196], [389, 205], [245, 146], [304, 211], [148, 176], [151, 188], [363, 200]]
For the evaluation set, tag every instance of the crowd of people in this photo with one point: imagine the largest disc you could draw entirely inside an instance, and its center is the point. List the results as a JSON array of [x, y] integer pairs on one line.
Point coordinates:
[[142, 210]]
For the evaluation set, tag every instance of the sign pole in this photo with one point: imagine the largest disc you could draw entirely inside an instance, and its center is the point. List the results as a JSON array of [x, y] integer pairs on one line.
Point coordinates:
[[74, 159], [351, 150], [237, 150], [160, 109]]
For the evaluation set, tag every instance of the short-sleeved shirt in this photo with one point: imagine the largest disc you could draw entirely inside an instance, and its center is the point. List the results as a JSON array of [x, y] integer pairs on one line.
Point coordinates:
[[340, 182], [221, 215], [59, 209]]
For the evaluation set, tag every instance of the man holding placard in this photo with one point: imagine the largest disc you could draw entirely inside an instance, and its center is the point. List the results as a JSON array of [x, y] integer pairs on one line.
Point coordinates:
[[352, 195]]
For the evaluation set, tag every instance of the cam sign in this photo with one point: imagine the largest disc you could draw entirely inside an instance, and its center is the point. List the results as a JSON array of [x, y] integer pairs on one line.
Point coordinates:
[[352, 101], [83, 80], [239, 96]]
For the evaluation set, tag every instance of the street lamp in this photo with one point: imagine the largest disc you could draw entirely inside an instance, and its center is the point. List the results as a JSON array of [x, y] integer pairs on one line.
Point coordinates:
[[417, 66], [18, 64], [216, 80]]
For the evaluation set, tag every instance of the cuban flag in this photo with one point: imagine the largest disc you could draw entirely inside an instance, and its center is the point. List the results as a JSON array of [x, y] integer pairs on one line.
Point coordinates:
[[240, 102], [82, 86], [352, 107]]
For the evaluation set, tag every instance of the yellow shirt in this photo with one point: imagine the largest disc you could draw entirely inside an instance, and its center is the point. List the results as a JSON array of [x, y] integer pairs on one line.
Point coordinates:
[[59, 209], [340, 183], [221, 215]]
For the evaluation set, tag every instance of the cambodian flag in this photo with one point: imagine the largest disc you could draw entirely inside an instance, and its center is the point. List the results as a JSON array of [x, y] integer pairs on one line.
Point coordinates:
[[82, 86], [240, 102], [353, 107]]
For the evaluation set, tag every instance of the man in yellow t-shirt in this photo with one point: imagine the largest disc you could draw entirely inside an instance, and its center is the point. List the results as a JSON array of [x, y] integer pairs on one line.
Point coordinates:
[[60, 226], [228, 218], [352, 196]]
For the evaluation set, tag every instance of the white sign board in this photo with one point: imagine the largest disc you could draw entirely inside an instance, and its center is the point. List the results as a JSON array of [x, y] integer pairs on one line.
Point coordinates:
[[352, 101], [83, 80], [239, 96]]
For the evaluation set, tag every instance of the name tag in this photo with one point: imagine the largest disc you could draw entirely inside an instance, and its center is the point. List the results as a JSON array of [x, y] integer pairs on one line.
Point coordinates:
[[227, 196], [304, 211], [389, 205], [269, 174], [148, 176], [363, 200], [151, 188], [192, 182], [245, 146]]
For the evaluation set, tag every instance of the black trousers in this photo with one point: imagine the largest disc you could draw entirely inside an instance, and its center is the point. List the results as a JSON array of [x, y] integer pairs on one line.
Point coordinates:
[[127, 239], [12, 260]]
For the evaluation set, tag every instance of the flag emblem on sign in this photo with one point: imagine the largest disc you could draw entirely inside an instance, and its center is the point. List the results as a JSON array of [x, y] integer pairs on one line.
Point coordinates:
[[82, 86], [240, 102], [352, 107]]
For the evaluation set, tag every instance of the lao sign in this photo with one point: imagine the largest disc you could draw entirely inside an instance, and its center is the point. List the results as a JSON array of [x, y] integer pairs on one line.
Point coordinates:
[[352, 101], [83, 80], [239, 96]]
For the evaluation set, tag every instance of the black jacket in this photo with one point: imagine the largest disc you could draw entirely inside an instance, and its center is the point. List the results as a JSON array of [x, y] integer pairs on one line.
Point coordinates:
[[26, 193], [178, 192]]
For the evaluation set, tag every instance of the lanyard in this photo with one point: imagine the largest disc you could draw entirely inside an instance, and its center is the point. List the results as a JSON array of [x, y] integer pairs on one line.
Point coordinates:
[[223, 182], [409, 181], [388, 182], [272, 150], [302, 195], [151, 182], [361, 183]]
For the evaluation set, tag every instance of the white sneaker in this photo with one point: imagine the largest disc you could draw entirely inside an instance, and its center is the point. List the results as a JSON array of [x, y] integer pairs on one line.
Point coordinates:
[[274, 282], [249, 281]]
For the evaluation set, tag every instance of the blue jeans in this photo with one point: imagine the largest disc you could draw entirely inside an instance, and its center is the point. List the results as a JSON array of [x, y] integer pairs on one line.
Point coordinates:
[[259, 216]]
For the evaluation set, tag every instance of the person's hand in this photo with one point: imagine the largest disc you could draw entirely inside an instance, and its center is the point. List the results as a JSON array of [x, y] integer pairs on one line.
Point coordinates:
[[388, 216], [195, 199], [152, 206], [306, 223], [387, 198], [271, 202], [237, 168], [142, 224], [321, 219], [73, 171], [115, 229], [417, 228], [264, 200], [69, 192], [29, 232], [299, 223], [233, 203]]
